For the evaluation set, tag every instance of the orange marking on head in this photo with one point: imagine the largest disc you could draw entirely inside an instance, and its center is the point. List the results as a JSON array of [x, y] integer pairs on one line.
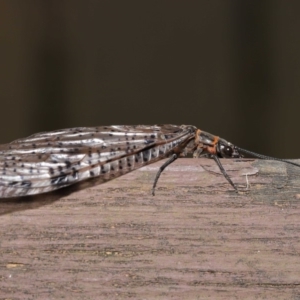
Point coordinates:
[[197, 136], [216, 139], [212, 150]]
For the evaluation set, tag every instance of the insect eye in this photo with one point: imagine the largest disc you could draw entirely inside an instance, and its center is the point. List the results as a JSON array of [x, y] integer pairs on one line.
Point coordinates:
[[226, 151]]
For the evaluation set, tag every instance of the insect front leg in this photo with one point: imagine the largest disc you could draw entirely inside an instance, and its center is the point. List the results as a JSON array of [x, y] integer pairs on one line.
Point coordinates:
[[216, 159]]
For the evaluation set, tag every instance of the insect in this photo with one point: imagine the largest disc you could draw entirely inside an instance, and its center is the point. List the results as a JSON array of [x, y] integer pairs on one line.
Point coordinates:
[[49, 161]]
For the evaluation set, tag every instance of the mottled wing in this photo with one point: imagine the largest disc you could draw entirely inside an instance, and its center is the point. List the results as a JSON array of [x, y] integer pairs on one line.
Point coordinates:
[[47, 161]]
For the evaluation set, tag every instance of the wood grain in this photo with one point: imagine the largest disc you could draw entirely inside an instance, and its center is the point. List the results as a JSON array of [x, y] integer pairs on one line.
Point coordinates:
[[196, 239]]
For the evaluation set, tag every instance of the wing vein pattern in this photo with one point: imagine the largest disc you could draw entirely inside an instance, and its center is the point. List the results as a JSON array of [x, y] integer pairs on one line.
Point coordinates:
[[48, 161]]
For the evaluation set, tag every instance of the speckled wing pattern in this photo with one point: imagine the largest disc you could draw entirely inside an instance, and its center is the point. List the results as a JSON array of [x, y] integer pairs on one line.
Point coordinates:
[[48, 161]]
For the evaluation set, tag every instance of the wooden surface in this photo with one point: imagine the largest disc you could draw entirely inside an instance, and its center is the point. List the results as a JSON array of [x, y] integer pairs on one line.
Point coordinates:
[[196, 239]]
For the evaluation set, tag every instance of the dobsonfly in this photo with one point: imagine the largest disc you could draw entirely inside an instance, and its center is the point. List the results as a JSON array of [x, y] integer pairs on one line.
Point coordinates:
[[48, 161]]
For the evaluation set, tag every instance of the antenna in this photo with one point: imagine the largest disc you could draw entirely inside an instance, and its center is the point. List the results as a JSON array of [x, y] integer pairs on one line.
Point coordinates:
[[266, 157]]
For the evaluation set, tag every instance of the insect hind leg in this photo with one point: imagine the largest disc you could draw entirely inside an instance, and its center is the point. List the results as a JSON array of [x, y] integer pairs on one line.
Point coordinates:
[[168, 162]]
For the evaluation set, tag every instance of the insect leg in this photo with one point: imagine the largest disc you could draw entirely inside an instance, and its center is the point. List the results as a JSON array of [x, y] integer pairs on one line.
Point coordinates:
[[216, 159], [168, 162]]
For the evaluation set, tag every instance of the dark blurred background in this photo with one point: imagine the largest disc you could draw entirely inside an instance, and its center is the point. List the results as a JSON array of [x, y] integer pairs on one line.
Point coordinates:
[[231, 67]]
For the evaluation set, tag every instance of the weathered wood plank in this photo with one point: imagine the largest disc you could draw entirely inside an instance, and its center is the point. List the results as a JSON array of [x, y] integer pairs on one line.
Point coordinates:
[[195, 239]]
